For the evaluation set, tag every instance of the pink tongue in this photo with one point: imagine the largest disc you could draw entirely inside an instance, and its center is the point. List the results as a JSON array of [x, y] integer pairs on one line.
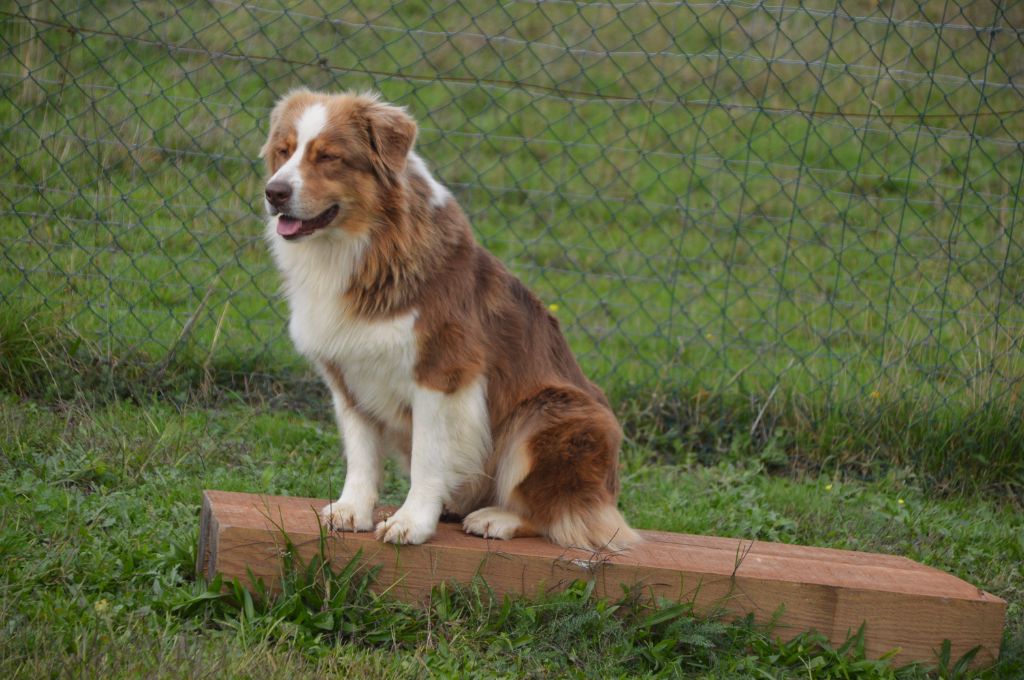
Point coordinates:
[[288, 226]]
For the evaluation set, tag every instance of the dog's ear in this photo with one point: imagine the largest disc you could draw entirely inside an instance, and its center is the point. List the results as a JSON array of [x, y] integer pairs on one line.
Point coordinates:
[[391, 132]]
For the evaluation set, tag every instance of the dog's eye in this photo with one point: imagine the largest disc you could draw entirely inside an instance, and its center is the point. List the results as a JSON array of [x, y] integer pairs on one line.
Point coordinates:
[[327, 158], [282, 151]]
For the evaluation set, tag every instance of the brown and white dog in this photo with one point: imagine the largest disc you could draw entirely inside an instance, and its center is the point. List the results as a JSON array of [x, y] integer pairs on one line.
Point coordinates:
[[432, 350]]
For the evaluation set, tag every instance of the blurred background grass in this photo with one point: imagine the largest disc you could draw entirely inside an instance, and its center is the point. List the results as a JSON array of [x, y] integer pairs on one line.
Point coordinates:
[[757, 222]]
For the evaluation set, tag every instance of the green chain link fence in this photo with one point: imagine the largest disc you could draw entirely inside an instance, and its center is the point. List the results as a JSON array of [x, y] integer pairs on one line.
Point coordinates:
[[815, 198]]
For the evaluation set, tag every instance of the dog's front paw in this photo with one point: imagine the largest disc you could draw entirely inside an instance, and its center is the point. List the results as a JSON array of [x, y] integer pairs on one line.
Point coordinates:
[[338, 516], [406, 528]]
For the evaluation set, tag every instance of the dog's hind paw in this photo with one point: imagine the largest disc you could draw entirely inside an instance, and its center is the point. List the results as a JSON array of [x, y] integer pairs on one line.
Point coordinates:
[[492, 522]]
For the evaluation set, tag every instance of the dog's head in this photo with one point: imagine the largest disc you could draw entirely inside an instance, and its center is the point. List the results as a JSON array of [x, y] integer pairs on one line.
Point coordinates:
[[332, 157]]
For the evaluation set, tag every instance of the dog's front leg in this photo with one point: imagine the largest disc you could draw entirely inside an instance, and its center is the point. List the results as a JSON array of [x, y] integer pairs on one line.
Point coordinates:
[[353, 511], [450, 439]]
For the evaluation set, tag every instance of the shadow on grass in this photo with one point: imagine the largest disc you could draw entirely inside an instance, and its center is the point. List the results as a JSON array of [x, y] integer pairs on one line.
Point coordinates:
[[953, 447]]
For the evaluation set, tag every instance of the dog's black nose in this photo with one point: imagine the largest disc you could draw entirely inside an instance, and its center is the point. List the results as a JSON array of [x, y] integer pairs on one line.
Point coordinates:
[[278, 193]]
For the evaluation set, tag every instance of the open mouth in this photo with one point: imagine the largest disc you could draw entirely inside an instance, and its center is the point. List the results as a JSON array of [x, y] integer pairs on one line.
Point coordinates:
[[292, 227]]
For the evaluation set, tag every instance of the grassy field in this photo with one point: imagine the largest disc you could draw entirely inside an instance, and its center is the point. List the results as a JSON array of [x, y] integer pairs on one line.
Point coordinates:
[[650, 170], [99, 515], [786, 242]]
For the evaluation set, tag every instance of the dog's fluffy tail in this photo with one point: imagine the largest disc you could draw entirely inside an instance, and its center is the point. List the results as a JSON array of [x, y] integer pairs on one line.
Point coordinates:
[[599, 528]]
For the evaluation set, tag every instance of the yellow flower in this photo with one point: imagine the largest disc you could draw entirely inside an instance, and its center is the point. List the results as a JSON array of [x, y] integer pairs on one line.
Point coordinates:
[[553, 307], [828, 487], [101, 605], [876, 395], [900, 501]]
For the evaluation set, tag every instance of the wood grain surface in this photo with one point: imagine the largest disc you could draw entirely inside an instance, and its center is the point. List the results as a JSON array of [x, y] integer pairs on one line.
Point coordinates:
[[905, 605]]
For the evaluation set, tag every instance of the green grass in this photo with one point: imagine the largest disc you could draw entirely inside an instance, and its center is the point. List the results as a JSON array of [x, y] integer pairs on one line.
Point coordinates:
[[98, 522], [802, 319], [853, 282]]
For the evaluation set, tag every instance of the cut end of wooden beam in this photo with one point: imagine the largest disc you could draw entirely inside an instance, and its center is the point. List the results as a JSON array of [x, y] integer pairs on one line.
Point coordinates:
[[904, 605]]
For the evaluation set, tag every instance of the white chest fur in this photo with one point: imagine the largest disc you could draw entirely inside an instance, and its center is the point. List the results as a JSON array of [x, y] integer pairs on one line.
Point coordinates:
[[376, 357]]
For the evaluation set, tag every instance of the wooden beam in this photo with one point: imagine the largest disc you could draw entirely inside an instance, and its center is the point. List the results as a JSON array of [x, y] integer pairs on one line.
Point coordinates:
[[905, 605]]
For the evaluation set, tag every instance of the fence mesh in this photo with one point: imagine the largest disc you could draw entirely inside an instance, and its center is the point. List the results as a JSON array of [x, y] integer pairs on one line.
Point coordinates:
[[716, 195]]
